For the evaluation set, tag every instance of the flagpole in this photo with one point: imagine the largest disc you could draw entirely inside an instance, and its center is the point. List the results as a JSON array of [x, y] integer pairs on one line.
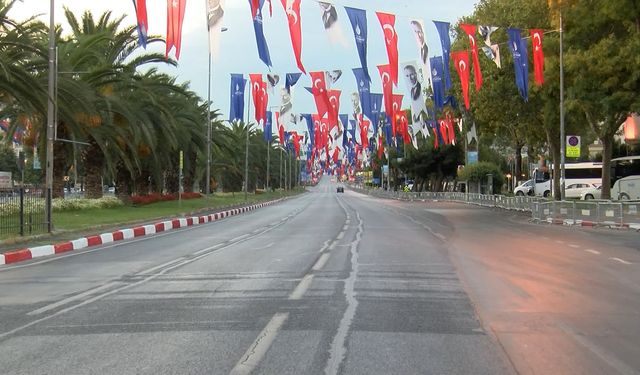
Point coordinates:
[[268, 162], [246, 152], [562, 133], [208, 182]]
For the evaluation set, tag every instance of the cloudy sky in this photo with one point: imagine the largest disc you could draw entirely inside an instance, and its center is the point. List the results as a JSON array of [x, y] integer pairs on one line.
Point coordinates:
[[238, 46]]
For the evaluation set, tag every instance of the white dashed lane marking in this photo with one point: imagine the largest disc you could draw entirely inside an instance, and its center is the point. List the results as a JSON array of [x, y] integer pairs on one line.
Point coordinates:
[[620, 260]]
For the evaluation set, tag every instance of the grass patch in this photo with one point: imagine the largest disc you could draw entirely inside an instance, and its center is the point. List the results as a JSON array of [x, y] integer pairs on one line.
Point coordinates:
[[87, 219]]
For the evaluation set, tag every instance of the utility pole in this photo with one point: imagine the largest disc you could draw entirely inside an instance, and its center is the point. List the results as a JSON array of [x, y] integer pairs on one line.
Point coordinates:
[[208, 182]]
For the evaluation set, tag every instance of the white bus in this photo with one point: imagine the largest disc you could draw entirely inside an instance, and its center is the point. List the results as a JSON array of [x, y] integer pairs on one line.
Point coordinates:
[[575, 173], [625, 178]]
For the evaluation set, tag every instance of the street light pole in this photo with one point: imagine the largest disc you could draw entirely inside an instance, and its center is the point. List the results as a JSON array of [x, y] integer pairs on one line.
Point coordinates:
[[268, 164], [562, 135], [50, 118], [246, 164]]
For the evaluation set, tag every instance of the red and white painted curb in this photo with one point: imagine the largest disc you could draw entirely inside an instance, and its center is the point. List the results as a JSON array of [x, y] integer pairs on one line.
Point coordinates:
[[122, 234]]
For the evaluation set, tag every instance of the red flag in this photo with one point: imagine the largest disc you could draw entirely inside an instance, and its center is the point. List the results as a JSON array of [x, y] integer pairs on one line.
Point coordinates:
[[336, 154], [270, 8], [316, 131], [255, 5], [175, 16], [296, 142], [256, 94], [442, 124], [387, 88], [397, 105], [264, 102], [334, 107], [319, 91], [380, 147], [364, 132], [141, 17], [538, 56], [461, 61], [293, 15], [470, 30], [404, 128], [388, 21]]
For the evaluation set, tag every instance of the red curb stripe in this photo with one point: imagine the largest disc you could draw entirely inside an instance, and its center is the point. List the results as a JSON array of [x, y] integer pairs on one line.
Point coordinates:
[[17, 256], [63, 247], [189, 221], [118, 235], [94, 241], [138, 231], [201, 220], [159, 227], [175, 223]]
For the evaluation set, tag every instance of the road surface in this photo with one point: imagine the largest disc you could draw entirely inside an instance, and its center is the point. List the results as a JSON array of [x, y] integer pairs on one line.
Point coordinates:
[[329, 283]]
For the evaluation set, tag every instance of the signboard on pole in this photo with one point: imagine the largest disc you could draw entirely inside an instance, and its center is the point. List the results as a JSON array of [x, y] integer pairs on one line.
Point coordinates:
[[573, 146], [472, 157]]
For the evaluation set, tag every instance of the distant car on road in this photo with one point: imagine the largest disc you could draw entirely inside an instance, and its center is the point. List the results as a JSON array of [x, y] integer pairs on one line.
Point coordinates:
[[525, 188], [593, 193], [340, 189], [576, 190]]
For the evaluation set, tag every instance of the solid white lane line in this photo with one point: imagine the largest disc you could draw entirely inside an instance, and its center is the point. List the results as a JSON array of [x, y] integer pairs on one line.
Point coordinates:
[[302, 287], [208, 249], [258, 349], [71, 299], [321, 262], [239, 237], [345, 227], [620, 260], [153, 269], [596, 252], [340, 235]]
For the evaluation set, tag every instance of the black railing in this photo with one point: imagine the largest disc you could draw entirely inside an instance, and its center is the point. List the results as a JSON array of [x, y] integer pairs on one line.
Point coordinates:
[[22, 211]]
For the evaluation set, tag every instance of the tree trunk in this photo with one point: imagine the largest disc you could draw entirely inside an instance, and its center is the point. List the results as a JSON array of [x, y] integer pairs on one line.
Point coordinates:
[[93, 166], [518, 166], [123, 184], [607, 151], [554, 149]]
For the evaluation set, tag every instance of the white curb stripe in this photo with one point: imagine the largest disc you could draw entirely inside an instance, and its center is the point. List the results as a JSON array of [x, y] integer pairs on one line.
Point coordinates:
[[80, 243], [42, 251], [106, 237], [127, 233]]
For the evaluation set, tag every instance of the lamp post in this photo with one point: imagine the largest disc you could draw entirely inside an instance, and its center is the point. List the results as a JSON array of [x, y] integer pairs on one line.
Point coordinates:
[[50, 118], [562, 136]]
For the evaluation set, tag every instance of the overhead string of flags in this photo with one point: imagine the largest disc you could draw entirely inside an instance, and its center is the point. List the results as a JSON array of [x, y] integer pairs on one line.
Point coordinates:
[[332, 140]]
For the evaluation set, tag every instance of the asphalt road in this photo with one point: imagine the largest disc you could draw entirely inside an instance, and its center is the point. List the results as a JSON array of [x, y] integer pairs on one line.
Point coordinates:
[[335, 284]]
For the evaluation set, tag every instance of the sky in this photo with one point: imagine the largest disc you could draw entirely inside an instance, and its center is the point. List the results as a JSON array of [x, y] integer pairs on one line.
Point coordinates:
[[238, 45]]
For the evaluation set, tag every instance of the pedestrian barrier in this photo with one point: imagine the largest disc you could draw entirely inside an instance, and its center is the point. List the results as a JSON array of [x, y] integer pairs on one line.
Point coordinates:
[[577, 213]]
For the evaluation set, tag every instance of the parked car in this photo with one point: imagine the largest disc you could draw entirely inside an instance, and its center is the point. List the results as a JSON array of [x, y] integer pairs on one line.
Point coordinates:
[[626, 188], [525, 188], [340, 189], [593, 193], [575, 190]]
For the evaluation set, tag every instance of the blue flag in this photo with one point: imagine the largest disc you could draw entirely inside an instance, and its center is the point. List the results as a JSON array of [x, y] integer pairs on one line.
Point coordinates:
[[268, 127], [291, 80], [521, 65], [263, 48], [388, 133], [376, 110], [238, 84], [364, 88], [358, 18], [437, 69], [445, 41], [307, 117], [344, 119]]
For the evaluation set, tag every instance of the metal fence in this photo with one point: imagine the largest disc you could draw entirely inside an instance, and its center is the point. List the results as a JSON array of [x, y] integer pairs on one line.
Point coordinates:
[[580, 213], [22, 211]]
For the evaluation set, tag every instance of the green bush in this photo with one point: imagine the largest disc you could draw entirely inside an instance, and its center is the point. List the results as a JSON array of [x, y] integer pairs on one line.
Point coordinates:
[[478, 172]]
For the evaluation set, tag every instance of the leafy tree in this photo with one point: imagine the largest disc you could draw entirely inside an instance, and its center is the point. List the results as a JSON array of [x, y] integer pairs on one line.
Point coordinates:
[[602, 62]]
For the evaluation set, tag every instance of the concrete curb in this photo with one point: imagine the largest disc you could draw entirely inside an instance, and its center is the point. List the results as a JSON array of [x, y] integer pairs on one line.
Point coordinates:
[[122, 234]]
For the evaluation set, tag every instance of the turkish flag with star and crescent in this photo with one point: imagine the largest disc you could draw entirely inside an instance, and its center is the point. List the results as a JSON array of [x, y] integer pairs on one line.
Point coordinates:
[[256, 93], [397, 111], [319, 91], [295, 29], [461, 61], [387, 88], [175, 16], [538, 56], [470, 30], [388, 21]]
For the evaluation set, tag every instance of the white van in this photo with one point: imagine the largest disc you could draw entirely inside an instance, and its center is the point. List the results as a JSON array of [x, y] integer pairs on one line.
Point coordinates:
[[626, 188]]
